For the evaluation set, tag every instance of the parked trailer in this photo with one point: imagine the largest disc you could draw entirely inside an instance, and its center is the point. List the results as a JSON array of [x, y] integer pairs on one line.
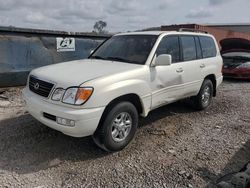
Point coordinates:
[[22, 50]]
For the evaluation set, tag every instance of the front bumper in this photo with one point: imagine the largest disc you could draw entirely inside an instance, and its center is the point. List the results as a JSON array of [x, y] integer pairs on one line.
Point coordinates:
[[243, 73], [86, 120]]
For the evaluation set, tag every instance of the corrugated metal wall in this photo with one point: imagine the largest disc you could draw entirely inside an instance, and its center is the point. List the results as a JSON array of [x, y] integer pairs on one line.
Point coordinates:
[[22, 50]]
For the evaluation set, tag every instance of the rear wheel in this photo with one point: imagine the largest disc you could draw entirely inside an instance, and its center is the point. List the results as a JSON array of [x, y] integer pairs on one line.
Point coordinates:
[[118, 128], [204, 97]]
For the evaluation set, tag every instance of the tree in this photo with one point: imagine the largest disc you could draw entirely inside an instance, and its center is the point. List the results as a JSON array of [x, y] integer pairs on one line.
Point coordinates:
[[99, 26]]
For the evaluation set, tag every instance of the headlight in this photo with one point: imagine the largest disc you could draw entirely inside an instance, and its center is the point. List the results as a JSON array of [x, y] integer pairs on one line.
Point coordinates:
[[57, 95], [244, 65], [77, 96]]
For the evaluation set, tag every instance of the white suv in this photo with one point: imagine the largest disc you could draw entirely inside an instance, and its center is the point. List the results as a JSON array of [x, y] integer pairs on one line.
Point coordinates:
[[128, 75]]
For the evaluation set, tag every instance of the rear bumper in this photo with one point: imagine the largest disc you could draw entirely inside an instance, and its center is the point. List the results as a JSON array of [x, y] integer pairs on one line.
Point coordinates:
[[86, 120], [243, 73], [219, 81]]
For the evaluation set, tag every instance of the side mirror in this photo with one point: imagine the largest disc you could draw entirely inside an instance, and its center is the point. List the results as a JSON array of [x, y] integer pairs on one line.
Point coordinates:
[[163, 60]]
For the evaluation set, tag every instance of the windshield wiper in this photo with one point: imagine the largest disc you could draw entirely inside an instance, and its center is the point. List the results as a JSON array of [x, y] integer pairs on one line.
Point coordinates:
[[114, 59], [120, 59], [97, 57]]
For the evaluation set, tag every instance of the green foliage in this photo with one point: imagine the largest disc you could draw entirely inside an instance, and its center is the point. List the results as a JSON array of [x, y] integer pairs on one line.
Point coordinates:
[[100, 26]]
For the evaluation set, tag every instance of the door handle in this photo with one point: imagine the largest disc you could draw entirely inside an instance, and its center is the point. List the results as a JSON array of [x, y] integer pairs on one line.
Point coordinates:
[[179, 70], [202, 66]]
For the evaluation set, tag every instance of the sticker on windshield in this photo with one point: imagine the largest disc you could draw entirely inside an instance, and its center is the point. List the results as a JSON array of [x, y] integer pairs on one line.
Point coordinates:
[[65, 44]]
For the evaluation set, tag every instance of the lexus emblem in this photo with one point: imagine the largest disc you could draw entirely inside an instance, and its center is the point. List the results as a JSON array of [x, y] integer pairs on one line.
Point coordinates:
[[36, 86]]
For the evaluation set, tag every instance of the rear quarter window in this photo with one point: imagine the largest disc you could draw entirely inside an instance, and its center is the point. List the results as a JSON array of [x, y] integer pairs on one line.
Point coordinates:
[[208, 46]]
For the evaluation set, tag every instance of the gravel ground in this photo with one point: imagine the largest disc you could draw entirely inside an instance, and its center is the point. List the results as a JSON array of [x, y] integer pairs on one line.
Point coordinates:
[[175, 146]]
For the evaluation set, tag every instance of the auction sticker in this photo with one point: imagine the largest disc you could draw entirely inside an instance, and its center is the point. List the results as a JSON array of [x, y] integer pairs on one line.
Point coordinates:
[[65, 44]]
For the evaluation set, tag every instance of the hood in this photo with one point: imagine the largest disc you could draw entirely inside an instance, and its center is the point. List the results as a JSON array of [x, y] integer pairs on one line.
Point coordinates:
[[74, 73]]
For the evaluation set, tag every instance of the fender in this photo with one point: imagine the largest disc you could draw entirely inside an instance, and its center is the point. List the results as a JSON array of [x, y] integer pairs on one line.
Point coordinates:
[[102, 96]]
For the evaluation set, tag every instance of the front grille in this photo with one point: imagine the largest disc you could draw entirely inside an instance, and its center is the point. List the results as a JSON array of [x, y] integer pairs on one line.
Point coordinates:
[[231, 65], [49, 116], [236, 75], [229, 75], [245, 75], [40, 87]]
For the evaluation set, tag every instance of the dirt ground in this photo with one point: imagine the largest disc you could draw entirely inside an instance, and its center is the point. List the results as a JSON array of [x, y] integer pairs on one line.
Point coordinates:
[[175, 146]]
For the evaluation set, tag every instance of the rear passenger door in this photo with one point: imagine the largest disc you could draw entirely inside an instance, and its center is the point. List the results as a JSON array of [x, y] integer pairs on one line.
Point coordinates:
[[190, 65]]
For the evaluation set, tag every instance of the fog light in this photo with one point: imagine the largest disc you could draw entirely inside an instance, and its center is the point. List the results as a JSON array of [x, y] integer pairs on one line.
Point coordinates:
[[65, 122]]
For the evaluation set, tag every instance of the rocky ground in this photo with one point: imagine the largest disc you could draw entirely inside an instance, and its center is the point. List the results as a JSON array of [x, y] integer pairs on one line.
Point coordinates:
[[175, 146]]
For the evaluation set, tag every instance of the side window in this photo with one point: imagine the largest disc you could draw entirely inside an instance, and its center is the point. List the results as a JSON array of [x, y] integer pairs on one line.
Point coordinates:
[[170, 45], [208, 47], [188, 48], [198, 48]]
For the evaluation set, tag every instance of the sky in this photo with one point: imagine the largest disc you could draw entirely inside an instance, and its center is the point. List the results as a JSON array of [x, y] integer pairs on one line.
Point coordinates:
[[120, 15]]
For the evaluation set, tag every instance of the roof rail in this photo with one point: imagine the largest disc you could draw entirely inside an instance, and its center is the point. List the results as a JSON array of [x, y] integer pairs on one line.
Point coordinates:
[[192, 30]]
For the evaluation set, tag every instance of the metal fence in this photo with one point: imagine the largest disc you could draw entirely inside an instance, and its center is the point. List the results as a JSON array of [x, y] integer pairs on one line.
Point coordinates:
[[22, 50]]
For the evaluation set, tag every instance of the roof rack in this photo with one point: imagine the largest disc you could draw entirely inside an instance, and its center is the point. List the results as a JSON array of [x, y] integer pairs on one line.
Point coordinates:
[[192, 30]]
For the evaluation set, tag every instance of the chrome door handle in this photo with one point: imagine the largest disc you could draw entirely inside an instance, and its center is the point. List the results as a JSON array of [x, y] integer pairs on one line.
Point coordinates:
[[179, 70], [202, 66]]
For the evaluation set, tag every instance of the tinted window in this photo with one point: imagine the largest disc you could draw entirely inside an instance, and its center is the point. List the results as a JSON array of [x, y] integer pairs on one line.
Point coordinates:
[[208, 47], [126, 48], [170, 45], [198, 48], [188, 48]]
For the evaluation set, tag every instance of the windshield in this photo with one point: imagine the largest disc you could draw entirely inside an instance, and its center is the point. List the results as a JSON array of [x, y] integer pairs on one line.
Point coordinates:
[[126, 48]]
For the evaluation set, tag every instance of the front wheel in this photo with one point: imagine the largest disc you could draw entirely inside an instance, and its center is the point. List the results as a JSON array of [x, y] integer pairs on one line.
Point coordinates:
[[204, 97], [118, 128]]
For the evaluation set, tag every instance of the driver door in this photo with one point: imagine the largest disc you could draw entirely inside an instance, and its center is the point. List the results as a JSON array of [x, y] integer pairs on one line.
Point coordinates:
[[166, 81]]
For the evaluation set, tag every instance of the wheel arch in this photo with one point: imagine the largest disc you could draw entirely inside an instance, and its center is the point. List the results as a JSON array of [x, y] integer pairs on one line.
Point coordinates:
[[212, 77], [133, 98]]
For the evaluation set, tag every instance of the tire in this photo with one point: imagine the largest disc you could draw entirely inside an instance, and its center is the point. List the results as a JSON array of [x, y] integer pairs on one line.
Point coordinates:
[[118, 128], [204, 97]]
